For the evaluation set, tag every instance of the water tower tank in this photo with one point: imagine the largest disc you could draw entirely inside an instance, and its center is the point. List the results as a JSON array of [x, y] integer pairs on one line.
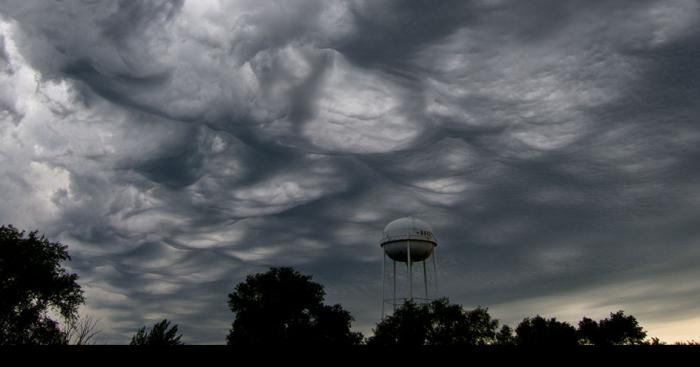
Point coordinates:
[[405, 233]]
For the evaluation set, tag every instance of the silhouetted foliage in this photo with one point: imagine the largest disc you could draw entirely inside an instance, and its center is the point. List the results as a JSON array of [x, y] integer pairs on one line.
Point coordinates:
[[161, 334], [539, 331], [505, 336], [409, 325], [436, 323], [282, 306], [617, 329], [588, 331], [82, 331], [655, 341], [620, 329], [453, 325], [32, 283]]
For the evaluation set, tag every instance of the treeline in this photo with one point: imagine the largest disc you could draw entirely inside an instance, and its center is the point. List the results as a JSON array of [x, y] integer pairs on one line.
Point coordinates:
[[442, 323], [280, 306]]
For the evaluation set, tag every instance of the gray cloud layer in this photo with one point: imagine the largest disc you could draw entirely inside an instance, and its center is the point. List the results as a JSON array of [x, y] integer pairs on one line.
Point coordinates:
[[178, 146]]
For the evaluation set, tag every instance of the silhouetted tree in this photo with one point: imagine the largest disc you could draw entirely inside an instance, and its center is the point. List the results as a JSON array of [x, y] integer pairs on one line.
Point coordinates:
[[282, 306], [436, 323], [331, 326], [617, 329], [539, 331], [81, 331], [655, 341], [588, 332], [505, 336], [452, 325], [620, 329], [32, 283], [480, 328], [161, 334], [409, 325]]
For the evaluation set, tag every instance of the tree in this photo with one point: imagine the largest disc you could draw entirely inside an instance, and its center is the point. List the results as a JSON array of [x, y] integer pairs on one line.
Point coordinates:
[[539, 331], [161, 334], [331, 326], [81, 331], [617, 329], [655, 341], [588, 332], [33, 283], [409, 326], [452, 325], [480, 329], [505, 336], [436, 323], [282, 306]]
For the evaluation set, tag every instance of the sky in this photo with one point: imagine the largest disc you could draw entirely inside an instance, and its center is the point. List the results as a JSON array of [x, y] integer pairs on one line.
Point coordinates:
[[177, 146]]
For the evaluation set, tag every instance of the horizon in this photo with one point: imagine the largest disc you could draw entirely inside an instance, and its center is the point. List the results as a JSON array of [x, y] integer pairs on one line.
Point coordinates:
[[178, 146]]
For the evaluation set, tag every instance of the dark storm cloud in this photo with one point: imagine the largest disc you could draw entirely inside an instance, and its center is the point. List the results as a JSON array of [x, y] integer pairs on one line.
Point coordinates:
[[387, 33], [178, 146]]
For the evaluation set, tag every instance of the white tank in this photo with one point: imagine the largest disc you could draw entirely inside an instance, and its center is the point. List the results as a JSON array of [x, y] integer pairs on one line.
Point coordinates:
[[407, 232]]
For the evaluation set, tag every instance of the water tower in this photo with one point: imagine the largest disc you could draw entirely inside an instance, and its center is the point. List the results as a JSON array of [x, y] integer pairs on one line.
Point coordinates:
[[408, 241]]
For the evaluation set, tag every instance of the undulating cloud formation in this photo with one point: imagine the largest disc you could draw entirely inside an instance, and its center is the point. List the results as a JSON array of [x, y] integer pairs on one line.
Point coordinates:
[[177, 146]]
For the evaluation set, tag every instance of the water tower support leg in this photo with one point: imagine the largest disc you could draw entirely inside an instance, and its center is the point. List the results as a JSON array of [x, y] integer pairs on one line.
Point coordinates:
[[383, 280], [393, 300], [410, 272], [435, 271], [425, 280]]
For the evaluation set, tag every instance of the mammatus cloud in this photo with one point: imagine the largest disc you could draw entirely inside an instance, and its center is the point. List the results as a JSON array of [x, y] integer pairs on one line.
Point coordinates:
[[177, 146]]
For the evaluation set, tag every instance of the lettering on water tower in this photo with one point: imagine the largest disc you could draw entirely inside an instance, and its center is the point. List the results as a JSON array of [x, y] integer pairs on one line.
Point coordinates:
[[425, 233]]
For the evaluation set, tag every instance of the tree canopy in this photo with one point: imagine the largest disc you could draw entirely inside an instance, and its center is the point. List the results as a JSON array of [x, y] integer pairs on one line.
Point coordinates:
[[435, 323], [161, 334], [410, 324], [538, 331], [282, 306], [618, 329], [33, 283], [505, 336]]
